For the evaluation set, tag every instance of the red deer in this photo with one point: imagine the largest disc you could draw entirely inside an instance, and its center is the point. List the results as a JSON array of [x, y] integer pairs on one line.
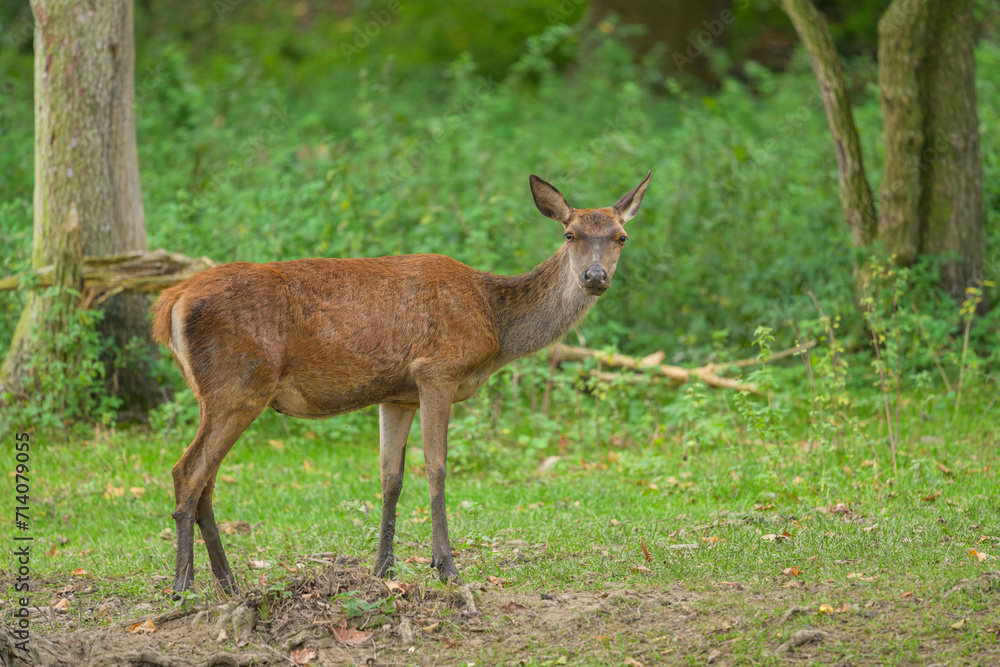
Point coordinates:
[[313, 338]]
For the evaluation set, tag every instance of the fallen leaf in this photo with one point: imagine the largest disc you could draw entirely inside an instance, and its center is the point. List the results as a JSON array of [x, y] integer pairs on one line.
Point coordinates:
[[277, 444], [302, 656], [137, 491], [511, 606], [645, 551], [760, 508], [146, 627], [235, 527], [228, 479], [932, 497], [62, 605], [959, 624], [350, 636], [307, 466], [52, 551], [825, 609], [496, 581], [791, 572], [79, 572], [641, 569], [632, 662], [792, 583], [399, 587], [114, 491], [859, 576], [710, 540], [943, 468], [259, 564], [771, 537], [223, 636], [907, 594], [418, 559], [432, 628]]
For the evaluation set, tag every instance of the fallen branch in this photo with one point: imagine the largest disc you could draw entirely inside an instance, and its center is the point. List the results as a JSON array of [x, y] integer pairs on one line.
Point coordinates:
[[145, 272], [649, 364], [677, 375]]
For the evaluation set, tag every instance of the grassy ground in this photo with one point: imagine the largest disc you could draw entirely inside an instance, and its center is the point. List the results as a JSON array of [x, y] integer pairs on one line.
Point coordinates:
[[618, 549]]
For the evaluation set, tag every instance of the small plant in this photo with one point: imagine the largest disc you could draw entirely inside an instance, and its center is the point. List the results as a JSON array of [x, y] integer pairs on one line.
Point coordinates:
[[764, 419], [354, 605]]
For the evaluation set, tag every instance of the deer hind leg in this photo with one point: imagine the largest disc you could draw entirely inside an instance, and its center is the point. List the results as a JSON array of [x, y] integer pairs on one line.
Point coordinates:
[[435, 411], [194, 479], [394, 426], [210, 533]]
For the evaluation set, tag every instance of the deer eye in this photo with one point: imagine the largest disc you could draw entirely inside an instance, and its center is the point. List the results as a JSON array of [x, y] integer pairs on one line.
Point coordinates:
[[622, 239], [569, 237]]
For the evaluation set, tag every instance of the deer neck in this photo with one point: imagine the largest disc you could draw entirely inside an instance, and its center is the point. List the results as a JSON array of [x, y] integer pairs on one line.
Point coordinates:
[[535, 309]]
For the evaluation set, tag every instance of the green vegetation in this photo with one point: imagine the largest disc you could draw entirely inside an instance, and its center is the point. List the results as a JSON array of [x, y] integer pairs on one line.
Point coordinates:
[[867, 476]]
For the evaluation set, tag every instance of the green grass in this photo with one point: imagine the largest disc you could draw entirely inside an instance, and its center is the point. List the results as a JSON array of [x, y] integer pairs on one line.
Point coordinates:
[[895, 548]]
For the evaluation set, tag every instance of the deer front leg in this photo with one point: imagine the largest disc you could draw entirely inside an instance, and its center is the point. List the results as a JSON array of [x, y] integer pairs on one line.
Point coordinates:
[[435, 410], [394, 426]]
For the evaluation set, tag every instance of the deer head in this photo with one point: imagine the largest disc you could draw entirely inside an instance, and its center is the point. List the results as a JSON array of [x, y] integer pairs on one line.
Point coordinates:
[[594, 236]]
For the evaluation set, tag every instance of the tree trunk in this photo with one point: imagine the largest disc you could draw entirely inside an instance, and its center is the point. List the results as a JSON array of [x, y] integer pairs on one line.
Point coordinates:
[[855, 193], [952, 196], [901, 64], [86, 175], [688, 29]]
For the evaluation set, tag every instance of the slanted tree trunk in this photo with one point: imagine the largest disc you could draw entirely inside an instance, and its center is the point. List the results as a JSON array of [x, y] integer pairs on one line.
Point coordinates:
[[87, 199], [855, 193], [931, 194]]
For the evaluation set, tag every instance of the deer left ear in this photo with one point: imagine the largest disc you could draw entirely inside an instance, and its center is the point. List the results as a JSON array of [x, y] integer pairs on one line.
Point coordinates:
[[628, 205]]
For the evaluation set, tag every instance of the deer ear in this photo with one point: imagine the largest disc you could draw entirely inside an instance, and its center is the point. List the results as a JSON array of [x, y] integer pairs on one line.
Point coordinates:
[[628, 205], [550, 201]]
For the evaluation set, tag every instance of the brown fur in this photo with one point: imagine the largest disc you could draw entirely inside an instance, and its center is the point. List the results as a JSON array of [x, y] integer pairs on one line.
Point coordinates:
[[318, 337]]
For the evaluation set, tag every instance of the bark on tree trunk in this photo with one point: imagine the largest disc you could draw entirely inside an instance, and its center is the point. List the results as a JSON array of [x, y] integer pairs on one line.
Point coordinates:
[[86, 171], [855, 193], [952, 197], [902, 39]]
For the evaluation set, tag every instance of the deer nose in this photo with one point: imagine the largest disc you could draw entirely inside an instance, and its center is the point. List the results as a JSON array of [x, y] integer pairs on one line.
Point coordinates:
[[596, 276]]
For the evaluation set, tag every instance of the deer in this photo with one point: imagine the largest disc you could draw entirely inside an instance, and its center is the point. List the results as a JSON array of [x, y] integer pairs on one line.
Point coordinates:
[[313, 338]]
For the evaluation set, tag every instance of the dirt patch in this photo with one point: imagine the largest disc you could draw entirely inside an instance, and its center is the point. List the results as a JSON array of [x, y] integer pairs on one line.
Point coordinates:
[[340, 614]]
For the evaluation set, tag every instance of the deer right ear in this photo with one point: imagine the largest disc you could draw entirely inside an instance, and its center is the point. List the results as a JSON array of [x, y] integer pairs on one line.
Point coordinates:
[[550, 201]]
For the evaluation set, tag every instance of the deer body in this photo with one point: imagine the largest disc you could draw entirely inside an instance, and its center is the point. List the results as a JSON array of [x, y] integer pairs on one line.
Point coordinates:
[[313, 338]]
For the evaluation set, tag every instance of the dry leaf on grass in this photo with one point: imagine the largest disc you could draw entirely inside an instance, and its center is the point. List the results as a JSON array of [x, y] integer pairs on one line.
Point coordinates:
[[645, 551], [79, 572], [825, 609], [397, 587], [146, 627], [62, 605], [418, 559], [958, 625], [223, 636], [235, 527], [791, 572], [259, 564], [496, 581], [302, 656], [350, 636], [632, 662], [859, 576], [432, 628], [641, 569], [932, 497]]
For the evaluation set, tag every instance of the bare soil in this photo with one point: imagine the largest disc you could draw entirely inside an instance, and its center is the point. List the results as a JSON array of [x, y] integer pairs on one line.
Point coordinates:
[[300, 623]]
